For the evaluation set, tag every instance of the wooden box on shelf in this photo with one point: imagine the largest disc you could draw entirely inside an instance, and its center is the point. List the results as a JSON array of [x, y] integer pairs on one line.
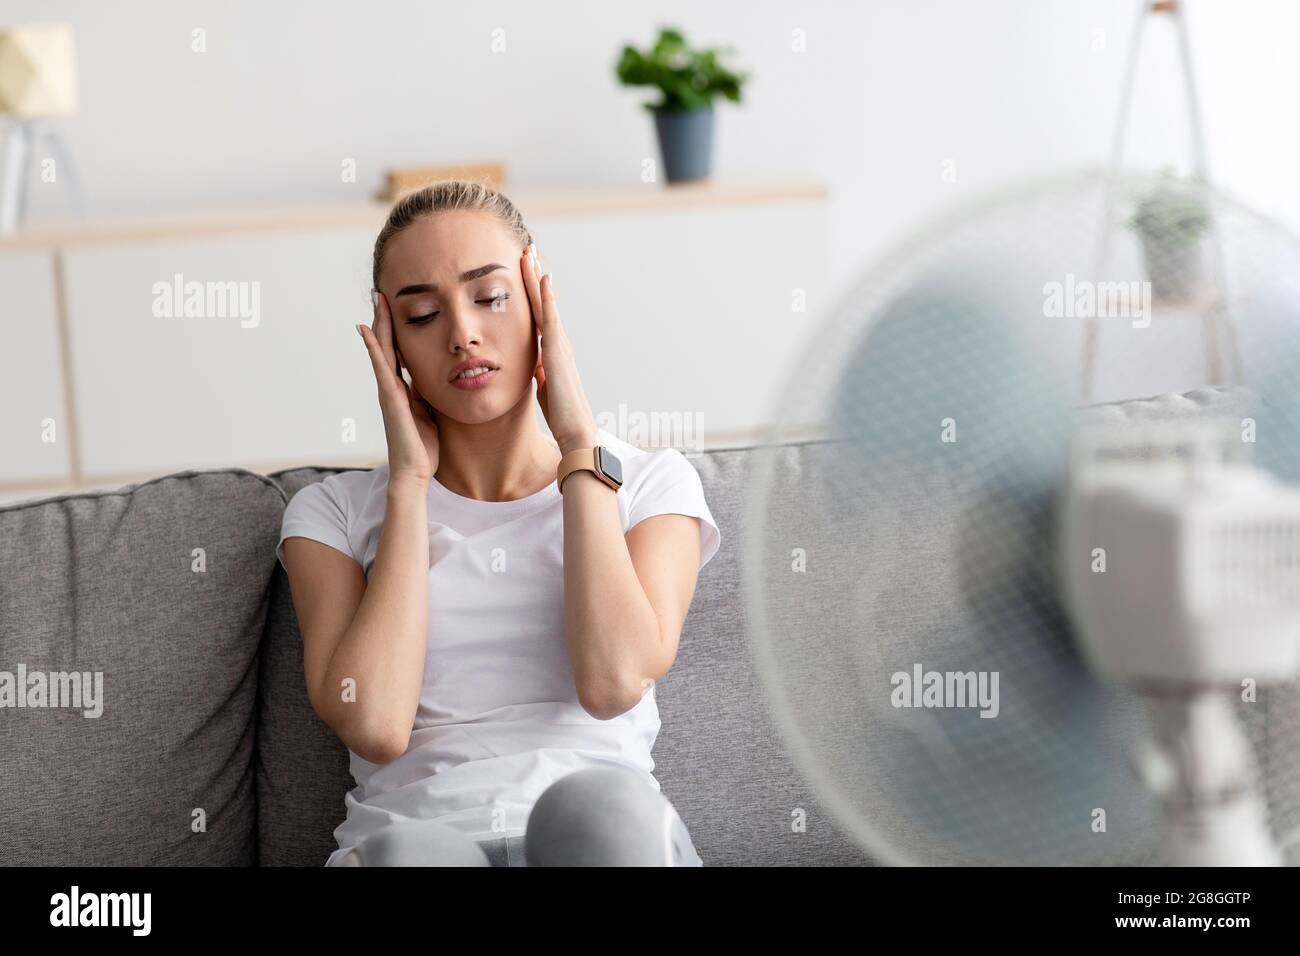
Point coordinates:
[[400, 182]]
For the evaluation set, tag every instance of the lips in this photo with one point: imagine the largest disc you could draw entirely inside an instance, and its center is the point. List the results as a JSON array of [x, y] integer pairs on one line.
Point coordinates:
[[472, 363], [478, 381]]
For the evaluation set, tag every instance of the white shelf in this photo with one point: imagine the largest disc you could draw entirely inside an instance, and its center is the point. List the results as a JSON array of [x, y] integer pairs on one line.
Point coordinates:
[[534, 202]]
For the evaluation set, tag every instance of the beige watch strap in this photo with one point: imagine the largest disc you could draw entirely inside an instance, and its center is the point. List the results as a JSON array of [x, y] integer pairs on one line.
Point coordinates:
[[580, 459]]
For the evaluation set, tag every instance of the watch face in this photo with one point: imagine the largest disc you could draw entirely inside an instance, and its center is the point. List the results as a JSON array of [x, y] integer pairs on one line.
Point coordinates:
[[609, 464]]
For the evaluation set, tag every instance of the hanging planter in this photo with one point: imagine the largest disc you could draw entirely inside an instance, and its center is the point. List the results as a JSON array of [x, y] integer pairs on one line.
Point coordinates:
[[1170, 220], [689, 80]]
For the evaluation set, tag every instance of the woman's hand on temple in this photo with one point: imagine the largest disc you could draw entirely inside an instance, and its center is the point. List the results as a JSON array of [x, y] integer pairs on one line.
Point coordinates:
[[409, 428], [559, 388]]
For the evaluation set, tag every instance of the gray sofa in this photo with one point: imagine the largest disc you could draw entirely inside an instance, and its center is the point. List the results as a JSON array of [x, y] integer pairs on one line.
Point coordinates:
[[207, 750]]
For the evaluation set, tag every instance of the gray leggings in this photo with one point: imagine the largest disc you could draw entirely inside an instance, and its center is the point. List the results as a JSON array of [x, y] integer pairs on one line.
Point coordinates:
[[599, 816]]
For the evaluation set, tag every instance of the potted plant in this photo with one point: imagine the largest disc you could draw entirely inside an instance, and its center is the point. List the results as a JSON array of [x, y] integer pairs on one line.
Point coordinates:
[[1170, 219], [689, 81]]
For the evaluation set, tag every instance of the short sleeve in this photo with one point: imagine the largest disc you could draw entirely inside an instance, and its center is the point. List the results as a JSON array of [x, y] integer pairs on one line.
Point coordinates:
[[671, 485], [315, 512]]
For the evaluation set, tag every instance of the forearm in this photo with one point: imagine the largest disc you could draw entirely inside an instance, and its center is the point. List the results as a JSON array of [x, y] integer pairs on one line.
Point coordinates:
[[610, 626], [383, 650]]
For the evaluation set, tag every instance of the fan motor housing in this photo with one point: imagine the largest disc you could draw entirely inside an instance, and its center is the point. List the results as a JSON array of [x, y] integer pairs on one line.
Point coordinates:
[[1186, 578]]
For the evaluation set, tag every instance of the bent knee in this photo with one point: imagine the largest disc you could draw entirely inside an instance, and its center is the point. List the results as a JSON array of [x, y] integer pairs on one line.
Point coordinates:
[[601, 816], [417, 843]]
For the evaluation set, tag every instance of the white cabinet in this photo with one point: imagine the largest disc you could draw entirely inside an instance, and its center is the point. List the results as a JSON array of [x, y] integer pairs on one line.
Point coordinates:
[[35, 434], [266, 373], [692, 312]]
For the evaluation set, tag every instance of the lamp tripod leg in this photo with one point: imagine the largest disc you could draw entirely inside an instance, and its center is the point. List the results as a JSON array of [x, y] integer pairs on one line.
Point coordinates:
[[13, 187]]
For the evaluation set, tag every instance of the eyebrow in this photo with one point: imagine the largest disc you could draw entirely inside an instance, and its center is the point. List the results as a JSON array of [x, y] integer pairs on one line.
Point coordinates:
[[469, 276]]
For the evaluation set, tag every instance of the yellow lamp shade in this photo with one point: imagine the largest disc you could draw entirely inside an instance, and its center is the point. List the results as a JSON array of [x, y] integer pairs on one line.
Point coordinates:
[[38, 71]]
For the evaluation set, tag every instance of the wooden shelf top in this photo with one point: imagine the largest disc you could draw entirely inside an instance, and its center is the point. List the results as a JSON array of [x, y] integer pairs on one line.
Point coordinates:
[[535, 202]]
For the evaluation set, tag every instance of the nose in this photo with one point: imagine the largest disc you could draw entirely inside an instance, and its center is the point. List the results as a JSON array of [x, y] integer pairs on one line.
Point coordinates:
[[463, 332]]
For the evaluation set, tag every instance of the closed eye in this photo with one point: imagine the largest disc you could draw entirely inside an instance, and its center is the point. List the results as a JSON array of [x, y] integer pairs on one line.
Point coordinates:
[[422, 319]]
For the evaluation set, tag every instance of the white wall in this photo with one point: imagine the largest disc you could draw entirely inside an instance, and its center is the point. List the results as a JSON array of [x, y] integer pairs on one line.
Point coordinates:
[[886, 92]]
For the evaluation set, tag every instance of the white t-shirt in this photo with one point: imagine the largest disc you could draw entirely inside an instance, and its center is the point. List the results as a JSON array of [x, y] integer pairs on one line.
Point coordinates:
[[499, 718]]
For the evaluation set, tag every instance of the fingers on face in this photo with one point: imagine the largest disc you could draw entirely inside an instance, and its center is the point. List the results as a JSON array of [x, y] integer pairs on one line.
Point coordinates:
[[398, 364], [401, 364], [384, 332], [540, 293], [531, 274], [379, 343], [376, 357]]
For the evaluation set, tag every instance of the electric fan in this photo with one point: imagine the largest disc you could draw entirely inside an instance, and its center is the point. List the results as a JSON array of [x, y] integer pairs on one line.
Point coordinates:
[[1039, 600]]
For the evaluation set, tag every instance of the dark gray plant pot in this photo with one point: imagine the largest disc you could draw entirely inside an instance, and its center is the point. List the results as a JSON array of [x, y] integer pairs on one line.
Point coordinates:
[[1174, 268], [685, 142]]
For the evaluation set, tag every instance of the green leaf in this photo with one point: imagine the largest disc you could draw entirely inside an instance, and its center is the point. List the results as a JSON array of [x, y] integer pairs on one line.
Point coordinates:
[[688, 79]]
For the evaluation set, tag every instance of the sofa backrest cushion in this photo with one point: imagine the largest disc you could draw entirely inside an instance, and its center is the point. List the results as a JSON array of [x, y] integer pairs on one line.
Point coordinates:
[[159, 589], [302, 766]]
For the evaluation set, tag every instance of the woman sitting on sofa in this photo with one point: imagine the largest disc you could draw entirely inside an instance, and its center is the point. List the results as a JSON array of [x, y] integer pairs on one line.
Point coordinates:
[[485, 617]]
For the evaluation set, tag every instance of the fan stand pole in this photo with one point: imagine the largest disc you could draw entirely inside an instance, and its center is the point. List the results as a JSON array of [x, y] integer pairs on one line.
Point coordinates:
[[1215, 314], [1215, 814]]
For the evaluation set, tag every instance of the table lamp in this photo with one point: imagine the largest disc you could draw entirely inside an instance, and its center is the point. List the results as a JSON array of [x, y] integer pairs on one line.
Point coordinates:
[[38, 83]]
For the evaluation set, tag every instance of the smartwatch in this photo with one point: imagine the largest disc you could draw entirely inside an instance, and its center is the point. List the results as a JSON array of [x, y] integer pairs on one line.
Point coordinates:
[[600, 460]]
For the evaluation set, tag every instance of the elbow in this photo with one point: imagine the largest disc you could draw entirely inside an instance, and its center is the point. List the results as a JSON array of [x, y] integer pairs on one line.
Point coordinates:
[[379, 744], [608, 699], [371, 737], [381, 748]]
